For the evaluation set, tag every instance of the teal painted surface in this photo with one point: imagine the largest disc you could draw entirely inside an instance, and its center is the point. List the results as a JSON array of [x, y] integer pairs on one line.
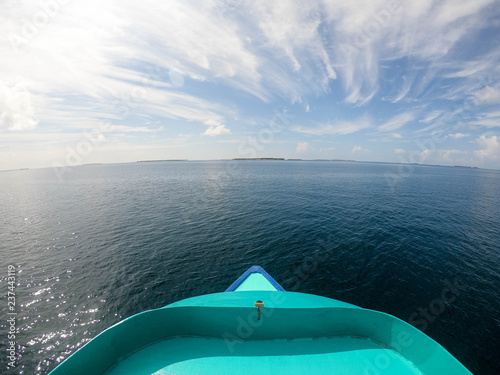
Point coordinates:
[[255, 281], [214, 333], [338, 355], [281, 300]]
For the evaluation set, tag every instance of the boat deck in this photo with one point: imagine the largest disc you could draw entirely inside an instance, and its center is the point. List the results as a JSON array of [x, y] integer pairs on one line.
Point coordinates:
[[256, 327], [196, 355]]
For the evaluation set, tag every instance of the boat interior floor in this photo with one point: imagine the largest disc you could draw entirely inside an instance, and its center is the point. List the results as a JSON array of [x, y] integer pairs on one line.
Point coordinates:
[[201, 355]]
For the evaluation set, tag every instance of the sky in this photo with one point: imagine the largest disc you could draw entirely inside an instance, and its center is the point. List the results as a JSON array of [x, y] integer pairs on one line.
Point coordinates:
[[114, 81]]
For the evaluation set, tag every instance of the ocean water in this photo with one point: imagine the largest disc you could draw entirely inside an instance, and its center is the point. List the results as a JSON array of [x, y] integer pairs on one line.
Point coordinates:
[[105, 242]]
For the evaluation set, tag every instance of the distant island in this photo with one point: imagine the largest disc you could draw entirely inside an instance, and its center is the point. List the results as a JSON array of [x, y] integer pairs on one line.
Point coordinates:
[[294, 159], [464, 166], [12, 170], [351, 161], [156, 161], [258, 159]]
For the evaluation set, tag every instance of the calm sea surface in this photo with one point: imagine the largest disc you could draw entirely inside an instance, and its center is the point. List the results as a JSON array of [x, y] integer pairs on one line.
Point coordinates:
[[108, 241]]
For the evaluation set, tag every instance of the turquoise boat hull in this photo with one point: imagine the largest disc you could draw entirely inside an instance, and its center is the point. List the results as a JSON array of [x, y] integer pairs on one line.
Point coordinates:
[[292, 333]]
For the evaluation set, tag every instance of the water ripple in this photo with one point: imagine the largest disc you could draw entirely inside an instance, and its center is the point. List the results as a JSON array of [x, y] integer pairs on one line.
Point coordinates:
[[113, 240]]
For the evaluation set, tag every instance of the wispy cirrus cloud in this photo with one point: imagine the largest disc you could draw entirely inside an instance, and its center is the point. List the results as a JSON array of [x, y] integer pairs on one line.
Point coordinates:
[[76, 50], [178, 65], [487, 119], [337, 127], [490, 123], [130, 129], [397, 122], [375, 32], [431, 116]]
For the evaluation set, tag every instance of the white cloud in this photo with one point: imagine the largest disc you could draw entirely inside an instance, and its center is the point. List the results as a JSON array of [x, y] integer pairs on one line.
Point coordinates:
[[129, 129], [488, 95], [431, 116], [302, 147], [357, 149], [212, 122], [447, 155], [267, 49], [327, 149], [468, 69], [94, 52], [426, 154], [492, 114], [488, 122], [99, 61], [279, 21], [489, 119], [399, 151], [292, 62], [16, 108], [337, 128], [404, 90], [368, 33], [397, 122], [458, 135], [451, 11], [490, 147], [217, 130]]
